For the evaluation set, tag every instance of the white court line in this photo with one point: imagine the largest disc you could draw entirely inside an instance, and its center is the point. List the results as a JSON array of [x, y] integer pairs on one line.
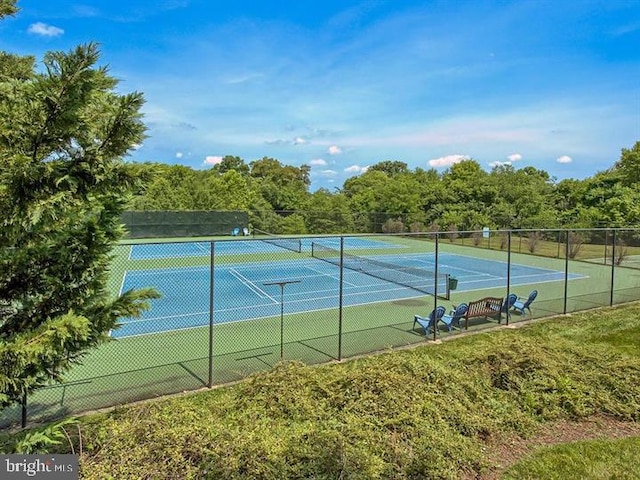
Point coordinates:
[[162, 332], [252, 286], [428, 265], [253, 308], [542, 271], [124, 277], [198, 245], [163, 317], [164, 271], [511, 287], [335, 277], [504, 262], [446, 265]]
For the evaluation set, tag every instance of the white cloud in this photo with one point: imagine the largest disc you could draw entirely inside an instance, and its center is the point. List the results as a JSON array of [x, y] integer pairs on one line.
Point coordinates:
[[564, 159], [328, 173], [447, 160], [317, 162], [212, 159], [334, 150], [179, 155], [45, 30], [293, 141], [356, 169], [514, 157], [498, 164]]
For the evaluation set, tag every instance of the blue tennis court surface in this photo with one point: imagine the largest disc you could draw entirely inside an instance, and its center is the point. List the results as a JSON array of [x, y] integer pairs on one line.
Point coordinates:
[[239, 247], [240, 293]]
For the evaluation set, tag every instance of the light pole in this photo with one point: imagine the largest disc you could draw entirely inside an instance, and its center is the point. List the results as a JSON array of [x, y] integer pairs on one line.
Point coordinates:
[[282, 284]]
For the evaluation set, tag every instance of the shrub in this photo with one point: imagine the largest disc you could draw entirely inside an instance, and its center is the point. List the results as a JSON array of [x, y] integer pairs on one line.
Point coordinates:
[[533, 241], [504, 240], [417, 227], [453, 234], [393, 225], [575, 244], [621, 252]]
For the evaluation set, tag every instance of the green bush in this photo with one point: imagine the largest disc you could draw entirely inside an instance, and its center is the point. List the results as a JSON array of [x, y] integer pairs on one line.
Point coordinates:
[[422, 413]]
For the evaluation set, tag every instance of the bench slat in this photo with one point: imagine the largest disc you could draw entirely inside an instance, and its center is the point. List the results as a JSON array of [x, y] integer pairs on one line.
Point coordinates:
[[485, 307]]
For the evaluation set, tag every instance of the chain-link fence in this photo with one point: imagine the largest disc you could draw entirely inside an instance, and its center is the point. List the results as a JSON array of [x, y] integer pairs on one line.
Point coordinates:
[[163, 224], [235, 306]]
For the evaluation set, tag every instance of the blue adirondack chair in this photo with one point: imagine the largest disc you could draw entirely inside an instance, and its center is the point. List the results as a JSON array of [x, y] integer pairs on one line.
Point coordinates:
[[509, 302], [430, 322], [453, 319], [521, 305], [507, 305]]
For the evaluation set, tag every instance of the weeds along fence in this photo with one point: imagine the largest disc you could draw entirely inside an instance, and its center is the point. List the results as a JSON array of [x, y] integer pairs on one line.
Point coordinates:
[[234, 306]]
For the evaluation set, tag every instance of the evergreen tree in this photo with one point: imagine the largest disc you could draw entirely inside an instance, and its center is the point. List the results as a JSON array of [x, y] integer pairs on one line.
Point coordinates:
[[63, 186]]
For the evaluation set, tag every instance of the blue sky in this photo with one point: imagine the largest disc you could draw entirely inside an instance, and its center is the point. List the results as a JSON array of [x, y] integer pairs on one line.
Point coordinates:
[[342, 85]]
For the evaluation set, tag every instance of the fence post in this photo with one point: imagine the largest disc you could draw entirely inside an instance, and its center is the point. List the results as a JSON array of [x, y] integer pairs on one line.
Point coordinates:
[[340, 294], [508, 273], [24, 410], [435, 289], [211, 310], [613, 265], [566, 270]]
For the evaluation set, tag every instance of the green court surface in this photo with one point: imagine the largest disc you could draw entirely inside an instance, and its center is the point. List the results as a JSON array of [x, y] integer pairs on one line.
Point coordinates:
[[173, 360]]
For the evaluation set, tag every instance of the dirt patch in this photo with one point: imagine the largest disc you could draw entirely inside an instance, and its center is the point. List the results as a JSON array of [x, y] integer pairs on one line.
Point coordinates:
[[504, 452]]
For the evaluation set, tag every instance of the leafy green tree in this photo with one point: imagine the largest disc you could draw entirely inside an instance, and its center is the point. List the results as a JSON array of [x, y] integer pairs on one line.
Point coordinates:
[[291, 224], [390, 167], [230, 162], [629, 164], [7, 8], [622, 208], [365, 194], [523, 198], [466, 195], [285, 187], [171, 187], [603, 200], [328, 213], [568, 197], [63, 187], [230, 191]]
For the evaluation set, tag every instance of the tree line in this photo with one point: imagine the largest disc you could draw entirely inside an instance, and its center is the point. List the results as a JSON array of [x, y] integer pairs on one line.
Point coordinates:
[[391, 197]]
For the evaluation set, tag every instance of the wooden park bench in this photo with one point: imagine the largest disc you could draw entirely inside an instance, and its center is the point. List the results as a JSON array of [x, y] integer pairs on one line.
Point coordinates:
[[485, 307]]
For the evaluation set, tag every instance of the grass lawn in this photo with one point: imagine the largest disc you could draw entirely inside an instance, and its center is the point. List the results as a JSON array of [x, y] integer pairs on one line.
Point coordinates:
[[447, 410], [595, 459]]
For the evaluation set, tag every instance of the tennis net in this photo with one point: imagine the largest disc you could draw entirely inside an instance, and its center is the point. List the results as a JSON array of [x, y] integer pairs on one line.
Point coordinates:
[[293, 244], [418, 279]]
